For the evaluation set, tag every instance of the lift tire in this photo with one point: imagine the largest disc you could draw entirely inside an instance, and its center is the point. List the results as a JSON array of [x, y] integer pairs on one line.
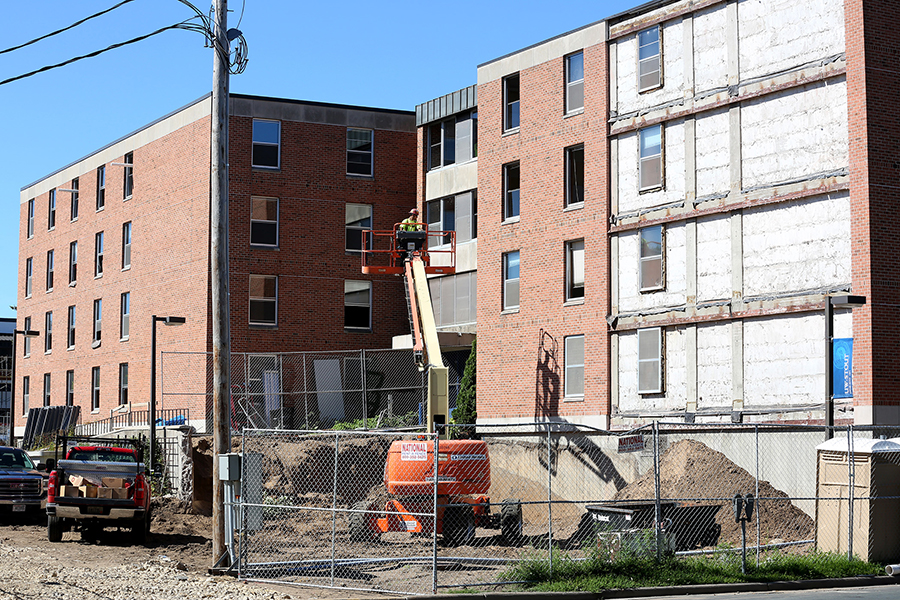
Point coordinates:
[[458, 526], [54, 529], [360, 531], [511, 522]]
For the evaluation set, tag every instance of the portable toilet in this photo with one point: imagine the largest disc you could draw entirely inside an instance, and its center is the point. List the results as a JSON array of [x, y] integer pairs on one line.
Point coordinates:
[[872, 532]]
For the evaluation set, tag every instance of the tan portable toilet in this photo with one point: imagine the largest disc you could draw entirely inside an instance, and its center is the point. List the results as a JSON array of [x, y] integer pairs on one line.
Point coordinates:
[[876, 522]]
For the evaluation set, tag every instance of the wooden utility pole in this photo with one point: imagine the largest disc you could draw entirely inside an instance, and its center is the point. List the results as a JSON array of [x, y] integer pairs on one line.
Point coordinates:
[[221, 334]]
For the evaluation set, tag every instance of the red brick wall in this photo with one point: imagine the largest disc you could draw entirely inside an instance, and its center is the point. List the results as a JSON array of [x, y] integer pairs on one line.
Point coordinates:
[[872, 81], [311, 262], [168, 275], [525, 349]]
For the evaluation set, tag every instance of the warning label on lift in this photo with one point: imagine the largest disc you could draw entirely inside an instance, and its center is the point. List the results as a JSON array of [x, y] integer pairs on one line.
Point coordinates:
[[414, 451]]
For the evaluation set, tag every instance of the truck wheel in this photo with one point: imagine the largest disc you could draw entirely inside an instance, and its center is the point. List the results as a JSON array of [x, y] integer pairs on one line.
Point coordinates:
[[54, 529], [458, 526], [360, 531], [141, 529], [511, 522]]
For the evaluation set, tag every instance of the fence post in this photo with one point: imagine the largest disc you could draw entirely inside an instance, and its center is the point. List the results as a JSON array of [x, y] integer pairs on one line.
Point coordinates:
[[362, 378], [434, 489], [852, 476], [305, 395], [334, 504], [656, 493], [549, 501], [756, 494]]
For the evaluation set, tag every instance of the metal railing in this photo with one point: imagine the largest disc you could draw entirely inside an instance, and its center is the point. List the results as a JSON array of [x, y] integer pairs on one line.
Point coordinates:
[[134, 419]]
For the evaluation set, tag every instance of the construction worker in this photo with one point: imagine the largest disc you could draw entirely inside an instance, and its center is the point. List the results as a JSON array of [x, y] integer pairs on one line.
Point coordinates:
[[411, 223]]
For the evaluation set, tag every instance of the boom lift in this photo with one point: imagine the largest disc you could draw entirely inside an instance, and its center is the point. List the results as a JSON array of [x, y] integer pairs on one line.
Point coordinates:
[[464, 469]]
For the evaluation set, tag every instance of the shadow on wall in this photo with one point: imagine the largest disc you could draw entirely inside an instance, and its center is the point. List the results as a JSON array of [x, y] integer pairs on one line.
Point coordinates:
[[546, 377]]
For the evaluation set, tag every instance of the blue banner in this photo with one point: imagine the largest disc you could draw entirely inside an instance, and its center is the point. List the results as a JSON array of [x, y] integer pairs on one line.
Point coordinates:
[[842, 367]]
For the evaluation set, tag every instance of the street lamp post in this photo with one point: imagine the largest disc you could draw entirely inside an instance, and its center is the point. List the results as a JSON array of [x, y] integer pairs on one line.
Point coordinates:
[[832, 302], [152, 412], [28, 333]]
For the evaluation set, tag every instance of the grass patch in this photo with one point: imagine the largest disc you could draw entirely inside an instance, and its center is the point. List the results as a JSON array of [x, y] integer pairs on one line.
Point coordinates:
[[596, 574]]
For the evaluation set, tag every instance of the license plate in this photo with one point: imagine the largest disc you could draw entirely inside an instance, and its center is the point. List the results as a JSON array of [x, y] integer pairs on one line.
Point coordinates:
[[18, 508], [94, 510]]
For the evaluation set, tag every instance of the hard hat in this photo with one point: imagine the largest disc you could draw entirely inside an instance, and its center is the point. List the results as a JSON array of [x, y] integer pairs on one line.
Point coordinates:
[[414, 211]]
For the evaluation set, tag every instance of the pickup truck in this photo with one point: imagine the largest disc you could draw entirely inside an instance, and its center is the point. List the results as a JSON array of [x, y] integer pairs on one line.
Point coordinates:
[[23, 487], [103, 484]]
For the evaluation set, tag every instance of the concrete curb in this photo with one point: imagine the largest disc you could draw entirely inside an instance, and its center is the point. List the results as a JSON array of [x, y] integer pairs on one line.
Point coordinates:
[[684, 590]]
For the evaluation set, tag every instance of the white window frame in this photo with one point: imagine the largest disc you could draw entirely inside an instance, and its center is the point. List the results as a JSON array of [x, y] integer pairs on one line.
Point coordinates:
[[101, 187], [98, 254], [360, 153], [48, 332], [70, 387], [95, 389], [97, 334], [510, 282], [30, 229], [73, 262], [126, 245], [264, 300], [123, 384], [128, 179], [574, 87], [645, 66], [351, 286], [646, 159], [47, 386], [574, 250], [26, 394], [652, 360], [574, 369], [255, 142], [512, 114], [51, 210], [50, 270], [124, 316], [508, 192], [573, 179], [70, 329], [646, 257], [26, 345], [29, 276], [255, 220], [351, 230], [73, 201]]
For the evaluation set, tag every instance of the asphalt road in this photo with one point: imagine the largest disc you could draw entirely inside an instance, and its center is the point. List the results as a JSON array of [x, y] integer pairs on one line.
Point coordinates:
[[882, 592]]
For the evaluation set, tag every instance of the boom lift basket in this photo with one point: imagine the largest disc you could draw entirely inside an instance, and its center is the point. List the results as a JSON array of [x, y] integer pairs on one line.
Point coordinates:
[[385, 252]]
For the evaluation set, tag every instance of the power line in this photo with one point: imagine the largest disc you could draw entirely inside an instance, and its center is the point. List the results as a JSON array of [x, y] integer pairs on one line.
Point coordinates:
[[73, 25], [183, 25]]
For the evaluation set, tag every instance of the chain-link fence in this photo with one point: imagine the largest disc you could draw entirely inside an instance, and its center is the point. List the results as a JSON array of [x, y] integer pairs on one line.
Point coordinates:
[[307, 390], [364, 510]]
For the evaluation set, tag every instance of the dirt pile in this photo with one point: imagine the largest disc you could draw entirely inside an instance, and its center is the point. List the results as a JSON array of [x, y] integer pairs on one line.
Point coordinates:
[[690, 469]]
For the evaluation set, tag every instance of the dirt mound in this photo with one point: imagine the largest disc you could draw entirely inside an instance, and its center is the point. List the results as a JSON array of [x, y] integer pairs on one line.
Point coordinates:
[[691, 469], [176, 517]]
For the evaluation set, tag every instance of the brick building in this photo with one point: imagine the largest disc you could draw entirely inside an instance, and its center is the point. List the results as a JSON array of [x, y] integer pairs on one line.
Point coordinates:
[[666, 201], [123, 234]]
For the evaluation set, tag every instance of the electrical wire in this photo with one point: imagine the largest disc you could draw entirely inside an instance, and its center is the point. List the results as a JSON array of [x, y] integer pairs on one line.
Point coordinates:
[[241, 18], [183, 25], [73, 25]]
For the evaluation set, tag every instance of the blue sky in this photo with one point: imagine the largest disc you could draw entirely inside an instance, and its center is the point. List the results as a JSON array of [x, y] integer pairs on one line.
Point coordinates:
[[389, 54]]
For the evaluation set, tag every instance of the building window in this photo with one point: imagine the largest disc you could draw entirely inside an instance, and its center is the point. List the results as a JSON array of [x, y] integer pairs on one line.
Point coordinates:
[[511, 280], [29, 276], [651, 160], [98, 323], [101, 187], [574, 383], [51, 212], [26, 345], [357, 218], [70, 388], [441, 216], [359, 151], [129, 176], [123, 384], [357, 304], [74, 201], [126, 245], [70, 331], [649, 63], [73, 262], [650, 361], [511, 102], [454, 299], [453, 140], [124, 315], [575, 82], [95, 389], [575, 175], [455, 213], [263, 300], [26, 393], [264, 222], [510, 191], [48, 332], [652, 259], [98, 255], [574, 270], [49, 270], [266, 144], [46, 389], [31, 218]]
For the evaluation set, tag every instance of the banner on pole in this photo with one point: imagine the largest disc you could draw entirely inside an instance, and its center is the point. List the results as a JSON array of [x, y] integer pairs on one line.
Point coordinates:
[[842, 367]]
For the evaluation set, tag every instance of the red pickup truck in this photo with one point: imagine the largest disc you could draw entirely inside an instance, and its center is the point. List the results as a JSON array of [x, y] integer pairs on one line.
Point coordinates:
[[97, 486]]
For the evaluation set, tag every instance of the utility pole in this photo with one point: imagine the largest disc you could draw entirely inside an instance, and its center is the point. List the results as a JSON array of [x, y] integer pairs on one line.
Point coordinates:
[[221, 334]]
